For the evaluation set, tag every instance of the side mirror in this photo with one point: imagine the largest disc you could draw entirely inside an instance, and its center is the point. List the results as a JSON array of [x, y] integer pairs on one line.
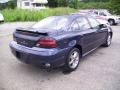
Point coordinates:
[[102, 26]]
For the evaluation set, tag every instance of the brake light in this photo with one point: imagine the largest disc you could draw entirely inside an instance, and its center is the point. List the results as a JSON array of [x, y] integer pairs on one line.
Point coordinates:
[[47, 43]]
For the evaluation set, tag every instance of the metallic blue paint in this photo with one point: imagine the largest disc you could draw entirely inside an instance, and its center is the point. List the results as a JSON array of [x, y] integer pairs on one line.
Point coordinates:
[[87, 39]]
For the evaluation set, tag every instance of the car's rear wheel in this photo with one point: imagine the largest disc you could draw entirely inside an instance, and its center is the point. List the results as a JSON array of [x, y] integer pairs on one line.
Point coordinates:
[[108, 41], [73, 60]]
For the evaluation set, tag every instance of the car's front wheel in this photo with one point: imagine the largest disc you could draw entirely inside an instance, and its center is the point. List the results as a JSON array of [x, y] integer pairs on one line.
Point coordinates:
[[108, 41], [73, 60]]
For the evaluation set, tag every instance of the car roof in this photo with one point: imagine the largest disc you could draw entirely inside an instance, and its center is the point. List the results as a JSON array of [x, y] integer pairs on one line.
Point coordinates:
[[72, 16], [83, 15]]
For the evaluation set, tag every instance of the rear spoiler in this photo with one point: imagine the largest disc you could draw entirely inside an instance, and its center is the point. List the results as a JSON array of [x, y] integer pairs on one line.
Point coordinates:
[[31, 31]]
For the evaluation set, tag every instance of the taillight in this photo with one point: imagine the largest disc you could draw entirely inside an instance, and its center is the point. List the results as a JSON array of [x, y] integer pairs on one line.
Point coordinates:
[[47, 43]]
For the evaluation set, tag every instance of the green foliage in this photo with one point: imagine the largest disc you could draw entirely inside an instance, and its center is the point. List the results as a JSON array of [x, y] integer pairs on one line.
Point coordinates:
[[12, 15], [94, 5], [74, 3], [96, 0], [10, 4], [115, 6], [57, 3], [62, 3], [52, 3], [35, 15]]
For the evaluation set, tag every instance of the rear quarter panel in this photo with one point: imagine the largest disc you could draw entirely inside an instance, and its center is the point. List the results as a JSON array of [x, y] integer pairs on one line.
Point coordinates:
[[68, 39]]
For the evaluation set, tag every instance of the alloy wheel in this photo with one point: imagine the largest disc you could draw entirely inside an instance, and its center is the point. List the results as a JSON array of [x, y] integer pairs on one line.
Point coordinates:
[[74, 59]]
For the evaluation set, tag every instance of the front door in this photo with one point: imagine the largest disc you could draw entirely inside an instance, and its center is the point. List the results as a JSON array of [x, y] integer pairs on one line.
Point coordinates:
[[88, 35], [99, 34]]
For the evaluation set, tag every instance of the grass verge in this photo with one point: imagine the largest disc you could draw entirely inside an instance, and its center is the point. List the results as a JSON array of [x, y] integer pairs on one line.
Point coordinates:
[[12, 15]]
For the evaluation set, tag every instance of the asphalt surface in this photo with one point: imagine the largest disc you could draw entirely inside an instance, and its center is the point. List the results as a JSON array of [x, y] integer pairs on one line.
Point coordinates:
[[98, 71]]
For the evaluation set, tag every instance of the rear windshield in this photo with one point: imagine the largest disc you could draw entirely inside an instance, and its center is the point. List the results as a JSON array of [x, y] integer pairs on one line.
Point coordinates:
[[52, 23]]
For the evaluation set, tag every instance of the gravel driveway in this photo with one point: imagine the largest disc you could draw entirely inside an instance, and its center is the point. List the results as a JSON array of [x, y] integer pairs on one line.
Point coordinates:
[[98, 71]]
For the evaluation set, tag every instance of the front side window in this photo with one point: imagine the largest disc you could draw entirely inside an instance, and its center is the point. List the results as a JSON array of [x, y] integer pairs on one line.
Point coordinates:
[[75, 26], [107, 13], [102, 14], [94, 23], [83, 23]]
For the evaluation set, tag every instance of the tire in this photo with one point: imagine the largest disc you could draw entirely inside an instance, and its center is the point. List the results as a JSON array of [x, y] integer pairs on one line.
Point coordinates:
[[108, 41], [111, 22], [73, 60]]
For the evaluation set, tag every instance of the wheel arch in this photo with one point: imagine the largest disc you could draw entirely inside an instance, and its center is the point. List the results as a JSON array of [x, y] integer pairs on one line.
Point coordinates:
[[111, 33], [110, 19], [79, 47]]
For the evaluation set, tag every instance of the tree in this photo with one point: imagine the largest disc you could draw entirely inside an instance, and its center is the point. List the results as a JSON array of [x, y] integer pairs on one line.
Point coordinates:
[[62, 3], [57, 3], [115, 6], [52, 3], [10, 4], [95, 0], [74, 3]]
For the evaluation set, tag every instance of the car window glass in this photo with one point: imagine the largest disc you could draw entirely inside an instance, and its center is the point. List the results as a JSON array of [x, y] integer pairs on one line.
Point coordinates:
[[54, 23], [83, 23], [94, 23], [102, 14], [95, 12], [74, 26]]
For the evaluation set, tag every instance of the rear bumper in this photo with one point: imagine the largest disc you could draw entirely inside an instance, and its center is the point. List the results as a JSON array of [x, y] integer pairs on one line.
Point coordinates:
[[39, 56]]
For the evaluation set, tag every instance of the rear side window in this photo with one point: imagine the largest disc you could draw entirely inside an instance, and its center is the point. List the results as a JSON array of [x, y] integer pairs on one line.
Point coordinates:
[[102, 14], [95, 12], [94, 23], [83, 23]]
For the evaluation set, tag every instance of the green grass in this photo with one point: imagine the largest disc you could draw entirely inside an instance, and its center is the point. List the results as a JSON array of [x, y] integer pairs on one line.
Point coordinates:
[[12, 15]]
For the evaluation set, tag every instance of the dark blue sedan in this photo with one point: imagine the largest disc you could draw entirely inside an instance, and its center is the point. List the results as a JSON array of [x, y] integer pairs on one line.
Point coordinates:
[[60, 41]]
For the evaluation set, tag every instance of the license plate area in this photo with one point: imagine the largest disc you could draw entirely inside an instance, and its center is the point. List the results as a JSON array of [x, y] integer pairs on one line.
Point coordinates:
[[24, 42]]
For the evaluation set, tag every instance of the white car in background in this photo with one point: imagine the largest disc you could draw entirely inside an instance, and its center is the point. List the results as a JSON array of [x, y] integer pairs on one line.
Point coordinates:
[[112, 19], [1, 18], [100, 19]]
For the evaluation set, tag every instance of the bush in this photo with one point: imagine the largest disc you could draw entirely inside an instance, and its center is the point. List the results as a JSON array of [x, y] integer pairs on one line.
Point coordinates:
[[12, 15], [115, 6], [94, 5]]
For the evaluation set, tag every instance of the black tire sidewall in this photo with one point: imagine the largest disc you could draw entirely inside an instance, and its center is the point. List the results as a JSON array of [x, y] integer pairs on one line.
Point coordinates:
[[67, 67], [113, 21], [106, 43], [107, 39]]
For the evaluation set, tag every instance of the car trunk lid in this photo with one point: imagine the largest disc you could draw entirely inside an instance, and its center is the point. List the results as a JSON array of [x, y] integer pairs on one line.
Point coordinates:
[[28, 37]]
